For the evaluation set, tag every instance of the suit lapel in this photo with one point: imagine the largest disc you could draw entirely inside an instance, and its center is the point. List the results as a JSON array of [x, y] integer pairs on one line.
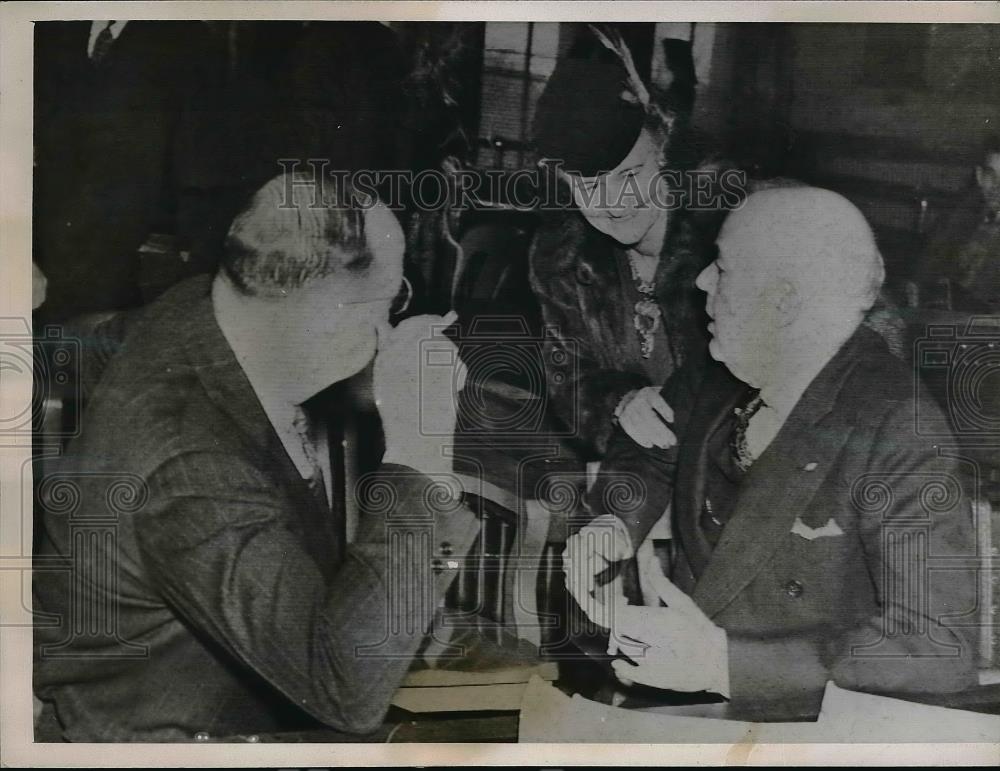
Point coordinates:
[[228, 387], [778, 486], [721, 392]]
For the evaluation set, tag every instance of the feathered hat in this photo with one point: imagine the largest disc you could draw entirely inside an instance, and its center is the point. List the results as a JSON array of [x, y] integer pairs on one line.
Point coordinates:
[[594, 106]]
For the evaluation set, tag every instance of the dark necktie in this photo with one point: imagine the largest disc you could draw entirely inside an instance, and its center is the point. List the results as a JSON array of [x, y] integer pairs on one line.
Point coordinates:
[[741, 454], [714, 520], [102, 46]]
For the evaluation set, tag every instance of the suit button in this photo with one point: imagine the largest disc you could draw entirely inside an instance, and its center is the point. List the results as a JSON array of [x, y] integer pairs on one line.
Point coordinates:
[[446, 549], [202, 736], [437, 565], [794, 588]]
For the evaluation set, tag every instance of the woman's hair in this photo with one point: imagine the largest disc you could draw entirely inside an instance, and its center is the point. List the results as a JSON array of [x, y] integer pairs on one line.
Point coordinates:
[[297, 228]]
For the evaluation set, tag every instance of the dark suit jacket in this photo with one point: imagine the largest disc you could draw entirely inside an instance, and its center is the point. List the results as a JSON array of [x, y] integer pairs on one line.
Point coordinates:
[[190, 579], [886, 605], [114, 149]]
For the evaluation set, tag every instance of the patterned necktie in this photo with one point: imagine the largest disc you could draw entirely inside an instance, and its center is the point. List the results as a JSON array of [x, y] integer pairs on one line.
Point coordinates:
[[302, 427], [741, 453], [102, 46], [712, 520]]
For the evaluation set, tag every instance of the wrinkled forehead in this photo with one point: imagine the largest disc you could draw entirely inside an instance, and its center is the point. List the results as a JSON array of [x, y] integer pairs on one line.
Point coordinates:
[[744, 241]]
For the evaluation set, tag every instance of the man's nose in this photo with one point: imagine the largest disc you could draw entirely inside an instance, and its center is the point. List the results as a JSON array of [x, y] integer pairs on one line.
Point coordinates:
[[705, 281]]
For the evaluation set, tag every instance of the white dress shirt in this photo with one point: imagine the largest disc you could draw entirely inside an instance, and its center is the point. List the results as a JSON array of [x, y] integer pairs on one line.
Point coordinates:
[[95, 29]]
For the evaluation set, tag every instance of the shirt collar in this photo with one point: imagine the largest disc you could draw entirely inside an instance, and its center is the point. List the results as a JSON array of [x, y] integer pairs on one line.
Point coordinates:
[[268, 383], [96, 27], [116, 27]]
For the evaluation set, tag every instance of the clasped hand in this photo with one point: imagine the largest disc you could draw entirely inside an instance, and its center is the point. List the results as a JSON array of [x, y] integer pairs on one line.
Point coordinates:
[[676, 647]]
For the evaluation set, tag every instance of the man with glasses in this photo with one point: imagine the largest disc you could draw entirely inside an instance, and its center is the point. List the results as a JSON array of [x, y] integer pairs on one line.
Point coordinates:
[[229, 600]]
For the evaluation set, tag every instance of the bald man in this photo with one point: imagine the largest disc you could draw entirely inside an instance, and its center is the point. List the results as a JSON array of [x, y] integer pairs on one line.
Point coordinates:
[[816, 536]]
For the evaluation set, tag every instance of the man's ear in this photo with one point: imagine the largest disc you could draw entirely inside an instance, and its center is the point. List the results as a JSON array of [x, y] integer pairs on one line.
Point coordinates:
[[980, 175], [788, 301]]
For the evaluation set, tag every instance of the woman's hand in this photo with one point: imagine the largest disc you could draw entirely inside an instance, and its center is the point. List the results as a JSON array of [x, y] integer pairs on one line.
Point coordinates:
[[644, 416]]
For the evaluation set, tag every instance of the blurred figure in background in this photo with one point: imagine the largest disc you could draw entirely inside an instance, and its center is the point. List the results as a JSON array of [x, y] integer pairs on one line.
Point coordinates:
[[964, 252], [329, 91], [112, 154]]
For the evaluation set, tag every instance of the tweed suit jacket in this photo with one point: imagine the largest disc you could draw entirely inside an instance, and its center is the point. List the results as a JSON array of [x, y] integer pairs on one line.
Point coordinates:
[[850, 552], [191, 580]]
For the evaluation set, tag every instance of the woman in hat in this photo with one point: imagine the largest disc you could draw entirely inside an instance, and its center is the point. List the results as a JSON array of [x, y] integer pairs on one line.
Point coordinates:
[[615, 273]]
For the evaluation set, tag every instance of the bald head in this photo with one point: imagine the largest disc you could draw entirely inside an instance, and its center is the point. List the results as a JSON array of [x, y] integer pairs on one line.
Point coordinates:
[[814, 238], [797, 268]]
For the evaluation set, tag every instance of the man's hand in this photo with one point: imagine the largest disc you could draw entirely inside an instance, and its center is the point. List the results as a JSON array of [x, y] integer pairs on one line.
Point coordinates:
[[398, 374], [675, 648], [596, 547], [644, 415]]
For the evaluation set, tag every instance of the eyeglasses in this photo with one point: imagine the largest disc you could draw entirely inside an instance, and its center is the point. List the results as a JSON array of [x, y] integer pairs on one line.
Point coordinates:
[[400, 301]]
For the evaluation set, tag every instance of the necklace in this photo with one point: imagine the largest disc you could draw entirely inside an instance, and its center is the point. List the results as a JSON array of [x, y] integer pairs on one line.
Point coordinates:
[[647, 314]]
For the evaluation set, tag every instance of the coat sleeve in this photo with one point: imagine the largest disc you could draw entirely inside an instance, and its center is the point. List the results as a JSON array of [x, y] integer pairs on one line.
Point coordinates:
[[635, 483], [224, 556], [582, 391], [917, 536]]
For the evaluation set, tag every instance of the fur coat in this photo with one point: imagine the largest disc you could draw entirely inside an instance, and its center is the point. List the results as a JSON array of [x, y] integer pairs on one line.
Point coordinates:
[[591, 347]]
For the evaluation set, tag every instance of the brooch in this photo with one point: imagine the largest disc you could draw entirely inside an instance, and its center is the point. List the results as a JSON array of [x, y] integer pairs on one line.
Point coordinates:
[[648, 315], [647, 321]]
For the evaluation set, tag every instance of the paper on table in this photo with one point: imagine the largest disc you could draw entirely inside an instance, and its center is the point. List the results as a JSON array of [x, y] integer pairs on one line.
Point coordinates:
[[461, 698], [549, 715], [850, 716], [443, 678]]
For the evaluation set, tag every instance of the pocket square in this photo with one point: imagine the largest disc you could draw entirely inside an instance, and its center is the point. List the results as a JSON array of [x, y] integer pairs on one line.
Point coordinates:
[[831, 528]]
